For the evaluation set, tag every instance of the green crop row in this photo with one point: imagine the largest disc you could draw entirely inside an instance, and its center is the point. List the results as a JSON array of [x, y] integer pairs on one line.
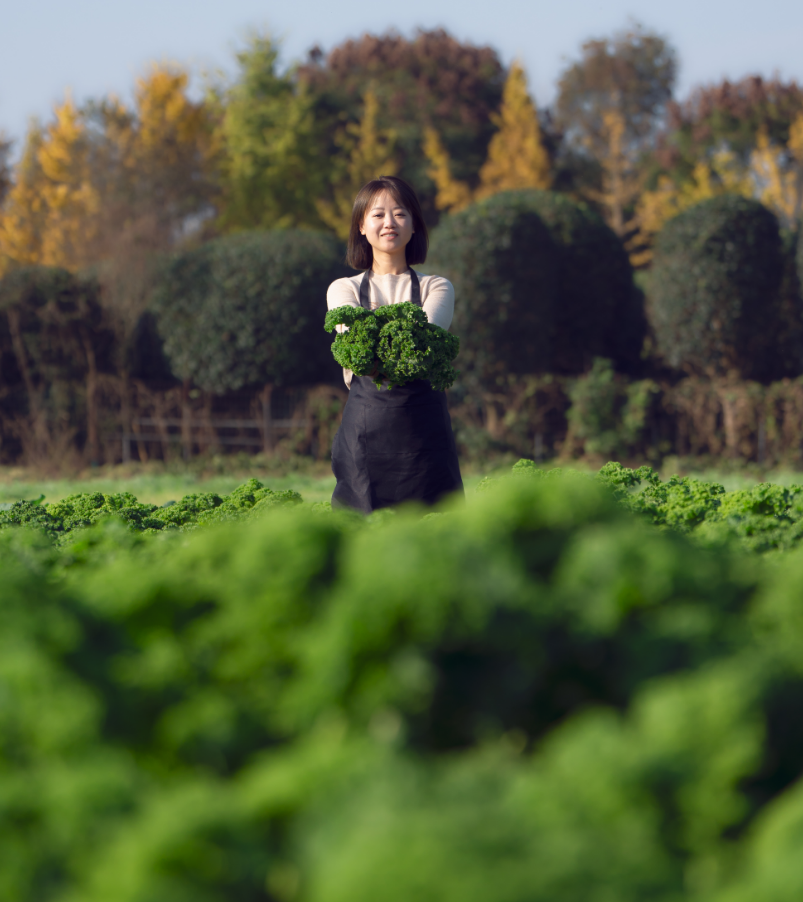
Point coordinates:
[[764, 518], [537, 695]]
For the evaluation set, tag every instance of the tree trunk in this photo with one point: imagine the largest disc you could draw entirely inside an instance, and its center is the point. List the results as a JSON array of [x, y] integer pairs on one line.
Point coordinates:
[[92, 440], [125, 414], [39, 430]]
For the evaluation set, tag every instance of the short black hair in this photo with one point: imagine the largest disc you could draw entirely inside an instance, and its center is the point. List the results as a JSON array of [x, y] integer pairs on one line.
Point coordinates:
[[360, 254]]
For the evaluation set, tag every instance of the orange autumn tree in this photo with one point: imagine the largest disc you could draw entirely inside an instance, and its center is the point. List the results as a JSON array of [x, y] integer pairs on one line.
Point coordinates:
[[516, 156]]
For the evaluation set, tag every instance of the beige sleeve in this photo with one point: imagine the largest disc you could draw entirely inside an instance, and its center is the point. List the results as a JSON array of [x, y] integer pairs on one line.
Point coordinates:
[[439, 304], [343, 293]]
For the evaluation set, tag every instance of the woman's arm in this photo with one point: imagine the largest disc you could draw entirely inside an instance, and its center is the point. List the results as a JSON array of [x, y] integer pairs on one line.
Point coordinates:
[[439, 303], [342, 293]]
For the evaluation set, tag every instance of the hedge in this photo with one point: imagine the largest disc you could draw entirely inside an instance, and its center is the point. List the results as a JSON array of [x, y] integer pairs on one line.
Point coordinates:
[[543, 285], [248, 309], [715, 303], [54, 343], [501, 259]]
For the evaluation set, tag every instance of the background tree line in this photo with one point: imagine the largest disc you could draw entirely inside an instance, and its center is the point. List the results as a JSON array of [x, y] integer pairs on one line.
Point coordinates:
[[185, 239]]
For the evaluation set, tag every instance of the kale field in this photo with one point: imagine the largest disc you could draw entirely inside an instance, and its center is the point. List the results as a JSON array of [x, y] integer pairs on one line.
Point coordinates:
[[570, 688]]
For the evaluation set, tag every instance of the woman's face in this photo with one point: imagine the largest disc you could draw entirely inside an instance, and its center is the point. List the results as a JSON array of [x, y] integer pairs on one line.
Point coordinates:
[[387, 225]]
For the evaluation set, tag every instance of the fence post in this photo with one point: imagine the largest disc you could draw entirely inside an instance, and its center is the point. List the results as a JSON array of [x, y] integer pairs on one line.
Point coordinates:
[[267, 437], [186, 421]]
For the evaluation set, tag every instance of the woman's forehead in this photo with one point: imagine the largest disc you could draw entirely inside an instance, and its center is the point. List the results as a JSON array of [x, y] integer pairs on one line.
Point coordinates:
[[384, 199]]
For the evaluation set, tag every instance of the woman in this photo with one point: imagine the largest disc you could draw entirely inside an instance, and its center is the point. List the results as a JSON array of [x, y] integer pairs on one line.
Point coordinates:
[[393, 445]]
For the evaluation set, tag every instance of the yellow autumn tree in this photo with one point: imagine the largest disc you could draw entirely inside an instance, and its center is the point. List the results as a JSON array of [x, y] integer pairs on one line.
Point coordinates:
[[368, 153], [171, 155], [621, 179], [779, 173], [48, 215], [516, 155], [95, 179], [451, 193], [23, 213], [69, 197], [721, 174]]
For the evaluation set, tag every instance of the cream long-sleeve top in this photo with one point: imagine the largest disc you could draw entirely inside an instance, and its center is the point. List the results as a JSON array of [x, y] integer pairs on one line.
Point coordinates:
[[437, 297]]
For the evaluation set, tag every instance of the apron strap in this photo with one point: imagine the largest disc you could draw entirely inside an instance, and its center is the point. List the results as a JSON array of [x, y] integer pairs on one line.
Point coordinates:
[[365, 289]]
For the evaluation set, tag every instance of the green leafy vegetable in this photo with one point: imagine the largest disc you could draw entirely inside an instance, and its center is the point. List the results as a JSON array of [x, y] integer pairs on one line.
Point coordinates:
[[395, 344]]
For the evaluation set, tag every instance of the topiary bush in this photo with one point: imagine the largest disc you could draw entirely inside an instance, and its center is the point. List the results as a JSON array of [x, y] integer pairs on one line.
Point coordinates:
[[248, 309], [500, 257], [789, 341], [800, 253], [542, 285], [600, 311], [714, 298]]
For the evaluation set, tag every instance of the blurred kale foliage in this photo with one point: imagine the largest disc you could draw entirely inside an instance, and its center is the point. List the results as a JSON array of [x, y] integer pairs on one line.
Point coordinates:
[[63, 519], [537, 696]]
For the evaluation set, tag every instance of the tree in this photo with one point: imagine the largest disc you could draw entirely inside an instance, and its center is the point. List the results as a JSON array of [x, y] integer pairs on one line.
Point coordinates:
[[779, 171], [23, 214], [50, 214], [722, 174], [5, 169], [715, 304], [430, 78], [632, 72], [729, 115], [610, 105], [247, 309], [60, 344], [170, 153], [94, 176], [747, 162], [370, 154], [516, 157], [450, 193], [274, 169]]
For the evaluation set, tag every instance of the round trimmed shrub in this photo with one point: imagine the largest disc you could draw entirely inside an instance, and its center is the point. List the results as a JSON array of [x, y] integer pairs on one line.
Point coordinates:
[[248, 309], [714, 289], [600, 311], [500, 257], [574, 286], [800, 251]]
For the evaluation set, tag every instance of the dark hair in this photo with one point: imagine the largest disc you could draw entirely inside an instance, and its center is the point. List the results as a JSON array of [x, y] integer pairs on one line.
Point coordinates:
[[360, 254]]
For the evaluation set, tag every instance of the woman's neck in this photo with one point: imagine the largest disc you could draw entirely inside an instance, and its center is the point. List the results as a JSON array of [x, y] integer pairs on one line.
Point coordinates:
[[389, 264]]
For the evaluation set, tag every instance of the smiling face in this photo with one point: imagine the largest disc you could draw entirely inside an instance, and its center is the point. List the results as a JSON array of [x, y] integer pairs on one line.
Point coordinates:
[[388, 226]]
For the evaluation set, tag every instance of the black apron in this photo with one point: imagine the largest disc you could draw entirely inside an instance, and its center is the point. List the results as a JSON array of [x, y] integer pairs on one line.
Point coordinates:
[[394, 445]]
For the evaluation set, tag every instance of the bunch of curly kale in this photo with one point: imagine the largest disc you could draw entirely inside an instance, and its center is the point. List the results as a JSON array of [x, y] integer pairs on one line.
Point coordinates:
[[395, 344]]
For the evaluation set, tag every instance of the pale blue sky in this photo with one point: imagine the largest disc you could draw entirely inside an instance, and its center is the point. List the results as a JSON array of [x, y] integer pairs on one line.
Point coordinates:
[[96, 47]]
